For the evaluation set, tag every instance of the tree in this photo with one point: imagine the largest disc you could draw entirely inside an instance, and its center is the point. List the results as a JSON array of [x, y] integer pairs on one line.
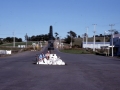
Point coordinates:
[[29, 38], [1, 42], [33, 38], [56, 34], [46, 37], [116, 32], [101, 35], [70, 37], [10, 39], [78, 36], [19, 40], [67, 39], [73, 34], [85, 35], [41, 37], [26, 37]]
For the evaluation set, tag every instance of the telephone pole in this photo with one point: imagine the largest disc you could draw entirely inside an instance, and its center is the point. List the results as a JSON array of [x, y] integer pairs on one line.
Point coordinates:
[[60, 41], [112, 32], [94, 37], [104, 38], [86, 36], [26, 37], [83, 40]]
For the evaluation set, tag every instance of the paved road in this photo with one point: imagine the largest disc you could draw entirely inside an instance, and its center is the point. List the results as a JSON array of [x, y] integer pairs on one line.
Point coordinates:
[[82, 72]]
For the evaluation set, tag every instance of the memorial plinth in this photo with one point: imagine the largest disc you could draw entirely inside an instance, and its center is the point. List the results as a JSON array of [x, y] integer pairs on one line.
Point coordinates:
[[51, 40]]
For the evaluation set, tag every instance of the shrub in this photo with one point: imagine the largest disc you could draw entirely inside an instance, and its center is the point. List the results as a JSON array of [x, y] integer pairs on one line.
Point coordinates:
[[76, 46]]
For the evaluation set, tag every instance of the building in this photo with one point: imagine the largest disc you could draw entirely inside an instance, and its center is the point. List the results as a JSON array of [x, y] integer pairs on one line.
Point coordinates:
[[98, 45], [108, 45], [116, 44]]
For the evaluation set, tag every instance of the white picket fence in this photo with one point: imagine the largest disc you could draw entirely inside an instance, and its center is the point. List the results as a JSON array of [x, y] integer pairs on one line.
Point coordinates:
[[5, 51]]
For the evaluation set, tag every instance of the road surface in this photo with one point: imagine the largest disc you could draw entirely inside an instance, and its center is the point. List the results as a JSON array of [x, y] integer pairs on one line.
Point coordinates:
[[82, 72]]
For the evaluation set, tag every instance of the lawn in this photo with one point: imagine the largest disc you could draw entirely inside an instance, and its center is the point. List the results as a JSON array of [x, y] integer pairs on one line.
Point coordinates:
[[9, 46], [75, 51], [20, 43]]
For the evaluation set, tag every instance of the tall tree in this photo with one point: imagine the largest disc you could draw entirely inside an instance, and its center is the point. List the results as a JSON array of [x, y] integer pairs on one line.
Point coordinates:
[[73, 34], [56, 35], [67, 39], [116, 32], [78, 36], [70, 37], [10, 39], [85, 35], [26, 37]]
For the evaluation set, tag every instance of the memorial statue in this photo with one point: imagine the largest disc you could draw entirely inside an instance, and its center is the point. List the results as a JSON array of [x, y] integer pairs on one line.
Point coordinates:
[[51, 40], [51, 33]]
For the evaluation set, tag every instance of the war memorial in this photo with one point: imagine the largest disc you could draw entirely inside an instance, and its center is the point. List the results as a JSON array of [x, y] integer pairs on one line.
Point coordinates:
[[53, 58]]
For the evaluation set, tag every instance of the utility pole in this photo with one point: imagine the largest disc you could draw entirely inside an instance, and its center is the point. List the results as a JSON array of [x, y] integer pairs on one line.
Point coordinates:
[[104, 39], [13, 40], [26, 37], [104, 36], [60, 41], [112, 31], [86, 36], [83, 40], [94, 37]]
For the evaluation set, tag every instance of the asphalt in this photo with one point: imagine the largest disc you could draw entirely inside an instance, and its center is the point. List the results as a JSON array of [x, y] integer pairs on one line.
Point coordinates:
[[82, 72]]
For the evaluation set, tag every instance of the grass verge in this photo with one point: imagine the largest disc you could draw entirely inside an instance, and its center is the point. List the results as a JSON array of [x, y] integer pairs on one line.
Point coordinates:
[[76, 51]]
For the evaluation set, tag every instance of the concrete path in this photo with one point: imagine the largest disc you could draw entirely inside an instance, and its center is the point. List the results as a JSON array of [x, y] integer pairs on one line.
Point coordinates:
[[82, 72]]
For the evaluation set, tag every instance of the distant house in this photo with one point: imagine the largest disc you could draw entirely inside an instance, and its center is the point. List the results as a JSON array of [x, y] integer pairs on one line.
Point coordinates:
[[98, 45]]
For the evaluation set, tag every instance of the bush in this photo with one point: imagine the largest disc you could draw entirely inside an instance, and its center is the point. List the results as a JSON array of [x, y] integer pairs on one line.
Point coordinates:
[[1, 42], [76, 46]]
